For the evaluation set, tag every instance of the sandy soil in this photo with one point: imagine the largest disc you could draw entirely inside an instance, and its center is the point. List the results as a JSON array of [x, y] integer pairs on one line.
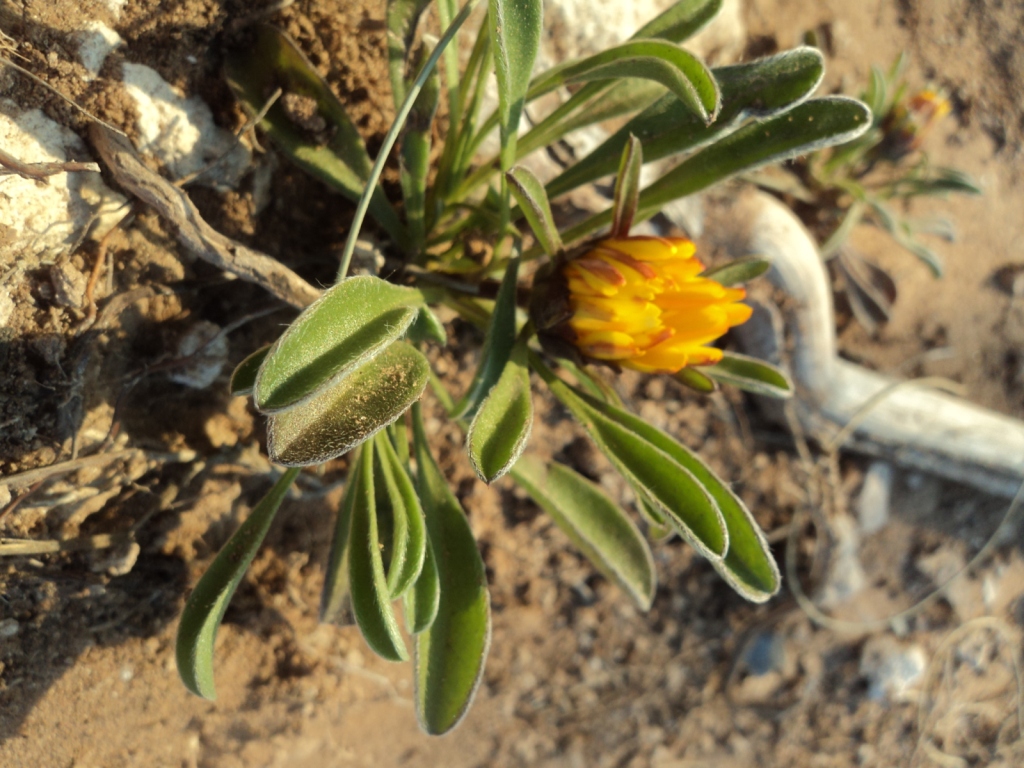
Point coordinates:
[[576, 676]]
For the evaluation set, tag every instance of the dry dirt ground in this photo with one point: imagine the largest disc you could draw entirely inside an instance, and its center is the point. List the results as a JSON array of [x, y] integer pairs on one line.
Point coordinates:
[[576, 675]]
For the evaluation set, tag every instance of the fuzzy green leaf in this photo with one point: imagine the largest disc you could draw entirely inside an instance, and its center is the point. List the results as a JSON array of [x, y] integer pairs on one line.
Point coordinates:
[[601, 100], [501, 428], [345, 414], [751, 375], [498, 343], [608, 101], [682, 21], [659, 60], [427, 327], [205, 608], [244, 376], [336, 599], [627, 188], [348, 326], [450, 655], [421, 602], [738, 272], [595, 524], [515, 27], [405, 504], [671, 486], [695, 380], [809, 126], [371, 599], [668, 127], [402, 18], [415, 158], [533, 201], [748, 565]]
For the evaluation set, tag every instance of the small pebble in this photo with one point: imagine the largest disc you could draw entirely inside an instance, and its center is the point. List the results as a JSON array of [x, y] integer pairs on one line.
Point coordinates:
[[875, 494], [9, 628], [891, 668]]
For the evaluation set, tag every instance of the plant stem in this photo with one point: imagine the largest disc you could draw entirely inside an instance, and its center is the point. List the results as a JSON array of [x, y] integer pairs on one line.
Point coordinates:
[[392, 136]]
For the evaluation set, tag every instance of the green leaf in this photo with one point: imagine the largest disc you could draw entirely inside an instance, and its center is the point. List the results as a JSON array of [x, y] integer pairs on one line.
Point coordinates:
[[594, 524], [371, 600], [498, 343], [627, 188], [501, 428], [738, 272], [392, 520], [209, 600], [900, 231], [402, 18], [427, 327], [941, 182], [671, 486], [244, 376], [658, 526], [695, 380], [875, 96], [345, 414], [402, 114], [349, 325], [515, 27], [930, 258], [607, 101], [415, 157], [591, 383], [422, 601], [747, 566], [668, 127], [682, 21], [533, 200], [807, 127], [340, 160], [405, 504], [450, 655], [751, 375], [600, 100], [336, 599], [658, 60]]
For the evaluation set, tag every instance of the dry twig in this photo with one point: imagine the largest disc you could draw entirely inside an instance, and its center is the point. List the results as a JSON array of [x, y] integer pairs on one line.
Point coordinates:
[[40, 171], [198, 237]]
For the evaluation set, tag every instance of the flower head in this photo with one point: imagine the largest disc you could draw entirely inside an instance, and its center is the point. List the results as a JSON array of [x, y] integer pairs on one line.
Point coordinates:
[[640, 302], [907, 124]]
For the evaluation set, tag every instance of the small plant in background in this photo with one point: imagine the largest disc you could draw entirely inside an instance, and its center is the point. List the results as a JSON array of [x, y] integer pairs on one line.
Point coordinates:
[[348, 374], [869, 179]]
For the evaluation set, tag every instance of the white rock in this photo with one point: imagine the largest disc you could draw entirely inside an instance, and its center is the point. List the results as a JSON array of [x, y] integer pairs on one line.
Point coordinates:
[[120, 561], [115, 7], [69, 285], [96, 41], [209, 348], [9, 628], [846, 576], [891, 668], [6, 310], [873, 502], [180, 132], [40, 221]]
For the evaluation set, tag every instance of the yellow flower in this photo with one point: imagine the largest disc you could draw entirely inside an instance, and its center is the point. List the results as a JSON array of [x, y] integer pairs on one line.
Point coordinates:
[[908, 123], [640, 302]]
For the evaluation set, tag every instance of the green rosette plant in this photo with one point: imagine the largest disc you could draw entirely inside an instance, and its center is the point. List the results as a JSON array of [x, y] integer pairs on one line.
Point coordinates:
[[347, 375]]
